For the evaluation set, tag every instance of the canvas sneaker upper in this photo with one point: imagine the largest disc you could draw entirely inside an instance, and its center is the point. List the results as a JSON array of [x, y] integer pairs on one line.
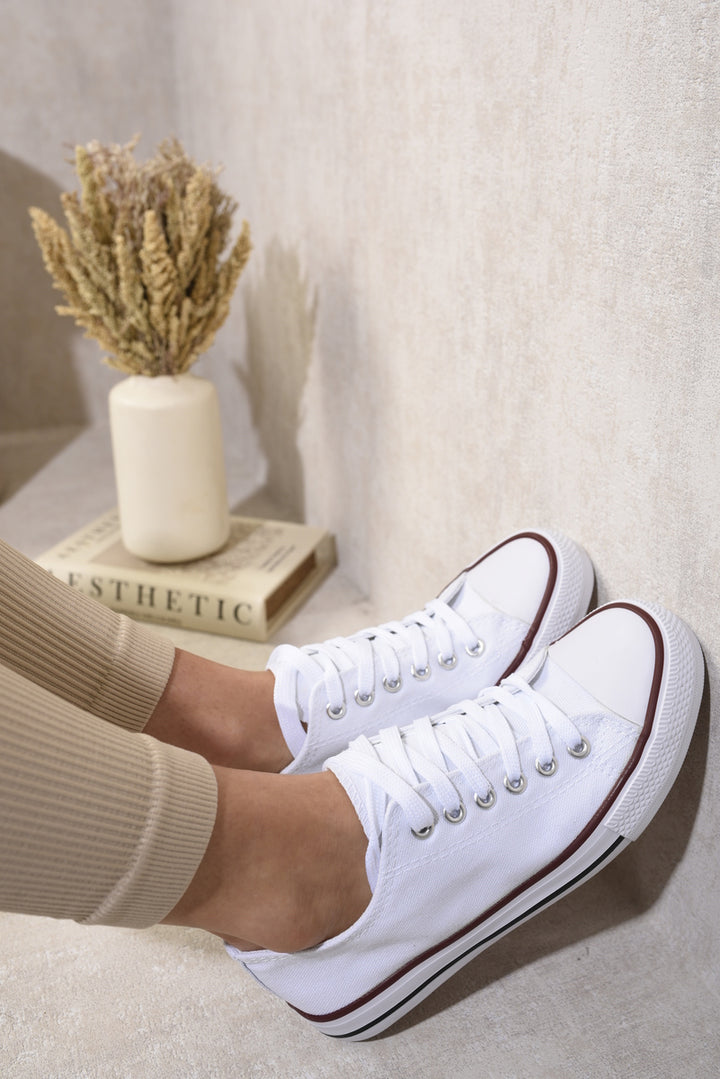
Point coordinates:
[[513, 601], [482, 815]]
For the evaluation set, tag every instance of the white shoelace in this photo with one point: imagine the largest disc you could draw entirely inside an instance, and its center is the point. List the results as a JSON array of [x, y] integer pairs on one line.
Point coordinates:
[[375, 652], [398, 761]]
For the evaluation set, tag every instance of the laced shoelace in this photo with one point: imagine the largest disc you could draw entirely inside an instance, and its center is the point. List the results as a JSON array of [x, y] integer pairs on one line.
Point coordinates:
[[398, 761], [375, 652]]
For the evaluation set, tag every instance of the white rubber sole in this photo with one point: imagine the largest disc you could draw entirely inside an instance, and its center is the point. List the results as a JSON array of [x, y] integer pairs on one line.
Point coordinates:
[[388, 1007], [573, 589]]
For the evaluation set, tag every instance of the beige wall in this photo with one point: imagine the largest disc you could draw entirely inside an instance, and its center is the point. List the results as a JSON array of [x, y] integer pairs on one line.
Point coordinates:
[[484, 291], [497, 227], [499, 232], [68, 73]]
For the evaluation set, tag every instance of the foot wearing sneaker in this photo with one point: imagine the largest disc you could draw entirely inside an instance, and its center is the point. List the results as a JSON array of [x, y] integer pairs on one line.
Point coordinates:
[[481, 817], [514, 600]]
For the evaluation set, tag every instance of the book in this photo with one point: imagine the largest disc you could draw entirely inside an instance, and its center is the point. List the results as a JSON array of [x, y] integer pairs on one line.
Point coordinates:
[[247, 589]]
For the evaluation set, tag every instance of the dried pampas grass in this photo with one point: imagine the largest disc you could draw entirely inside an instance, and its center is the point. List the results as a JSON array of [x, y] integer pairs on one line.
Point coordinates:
[[140, 263]]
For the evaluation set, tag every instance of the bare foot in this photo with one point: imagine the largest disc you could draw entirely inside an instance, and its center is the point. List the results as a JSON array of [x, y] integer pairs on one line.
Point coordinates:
[[285, 866], [225, 714]]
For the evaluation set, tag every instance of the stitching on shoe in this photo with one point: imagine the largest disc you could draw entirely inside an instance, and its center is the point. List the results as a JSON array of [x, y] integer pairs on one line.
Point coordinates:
[[585, 833]]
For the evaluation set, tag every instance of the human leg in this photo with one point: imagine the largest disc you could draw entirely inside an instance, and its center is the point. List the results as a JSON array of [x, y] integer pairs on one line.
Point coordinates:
[[96, 823], [123, 672], [77, 649], [109, 827], [285, 866], [224, 713]]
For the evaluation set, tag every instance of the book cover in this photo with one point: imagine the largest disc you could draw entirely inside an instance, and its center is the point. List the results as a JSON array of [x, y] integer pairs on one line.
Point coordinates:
[[247, 589]]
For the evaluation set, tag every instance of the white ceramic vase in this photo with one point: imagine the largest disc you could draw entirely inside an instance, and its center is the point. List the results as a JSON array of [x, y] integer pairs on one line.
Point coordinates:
[[169, 467]]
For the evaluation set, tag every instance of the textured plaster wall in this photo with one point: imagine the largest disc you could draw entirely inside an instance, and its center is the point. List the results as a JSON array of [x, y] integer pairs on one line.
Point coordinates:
[[503, 229], [497, 226], [68, 73]]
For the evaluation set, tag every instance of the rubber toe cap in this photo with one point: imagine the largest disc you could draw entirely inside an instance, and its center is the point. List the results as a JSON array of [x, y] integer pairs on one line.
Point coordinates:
[[514, 577], [614, 655]]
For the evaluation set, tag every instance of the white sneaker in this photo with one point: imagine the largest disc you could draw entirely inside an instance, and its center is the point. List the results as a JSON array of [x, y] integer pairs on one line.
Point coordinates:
[[479, 818], [517, 598]]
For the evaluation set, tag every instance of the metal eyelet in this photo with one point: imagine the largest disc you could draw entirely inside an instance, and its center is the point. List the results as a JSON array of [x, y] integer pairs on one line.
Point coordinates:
[[423, 833], [548, 769], [580, 750], [516, 788], [364, 699], [476, 650], [455, 818], [448, 663], [392, 685], [489, 801], [336, 713], [421, 673]]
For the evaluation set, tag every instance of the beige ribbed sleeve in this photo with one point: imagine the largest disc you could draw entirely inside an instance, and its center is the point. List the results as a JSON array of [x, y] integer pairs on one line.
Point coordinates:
[[96, 659], [96, 823]]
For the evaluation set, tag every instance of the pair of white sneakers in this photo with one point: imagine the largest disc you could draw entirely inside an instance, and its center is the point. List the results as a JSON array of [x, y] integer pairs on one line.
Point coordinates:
[[500, 800]]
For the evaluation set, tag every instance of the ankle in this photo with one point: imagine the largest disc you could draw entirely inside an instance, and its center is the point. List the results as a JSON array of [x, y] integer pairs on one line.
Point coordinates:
[[285, 866], [225, 714]]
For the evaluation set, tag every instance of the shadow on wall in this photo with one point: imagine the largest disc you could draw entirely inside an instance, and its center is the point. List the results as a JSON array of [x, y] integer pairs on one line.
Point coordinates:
[[38, 384], [281, 317]]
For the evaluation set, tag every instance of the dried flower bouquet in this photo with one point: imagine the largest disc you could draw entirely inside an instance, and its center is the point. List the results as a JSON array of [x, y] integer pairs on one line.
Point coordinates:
[[140, 265]]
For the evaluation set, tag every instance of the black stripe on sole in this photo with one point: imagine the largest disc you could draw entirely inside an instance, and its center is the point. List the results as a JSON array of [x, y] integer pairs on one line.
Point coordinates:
[[485, 941]]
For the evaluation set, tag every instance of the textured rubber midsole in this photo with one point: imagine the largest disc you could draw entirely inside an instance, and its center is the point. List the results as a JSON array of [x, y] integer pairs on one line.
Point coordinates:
[[388, 1006]]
